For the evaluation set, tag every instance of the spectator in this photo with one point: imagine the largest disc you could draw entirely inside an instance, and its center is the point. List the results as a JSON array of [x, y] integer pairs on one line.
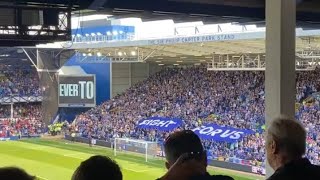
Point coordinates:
[[286, 145], [98, 168], [12, 173], [186, 158]]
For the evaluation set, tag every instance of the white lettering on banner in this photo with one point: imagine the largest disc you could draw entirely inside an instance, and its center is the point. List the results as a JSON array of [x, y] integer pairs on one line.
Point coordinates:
[[193, 39], [145, 122], [162, 123], [217, 131], [197, 128], [210, 131], [236, 135], [206, 130], [154, 123], [157, 123], [86, 89], [170, 122], [227, 134]]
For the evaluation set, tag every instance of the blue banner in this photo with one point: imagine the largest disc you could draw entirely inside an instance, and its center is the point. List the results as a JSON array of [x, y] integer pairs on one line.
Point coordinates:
[[219, 133], [160, 123]]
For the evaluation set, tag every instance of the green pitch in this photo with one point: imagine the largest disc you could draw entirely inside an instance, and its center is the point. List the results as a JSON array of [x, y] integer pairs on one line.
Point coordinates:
[[57, 160]]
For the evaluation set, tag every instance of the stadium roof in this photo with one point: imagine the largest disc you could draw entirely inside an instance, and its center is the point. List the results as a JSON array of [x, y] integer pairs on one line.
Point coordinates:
[[191, 49], [208, 11], [11, 56]]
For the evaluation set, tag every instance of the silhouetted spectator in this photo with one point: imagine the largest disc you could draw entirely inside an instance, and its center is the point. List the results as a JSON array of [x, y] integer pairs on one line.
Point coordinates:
[[186, 158], [98, 168], [13, 173], [286, 145]]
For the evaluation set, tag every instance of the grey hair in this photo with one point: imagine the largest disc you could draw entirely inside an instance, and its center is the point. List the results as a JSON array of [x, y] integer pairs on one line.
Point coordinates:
[[289, 135]]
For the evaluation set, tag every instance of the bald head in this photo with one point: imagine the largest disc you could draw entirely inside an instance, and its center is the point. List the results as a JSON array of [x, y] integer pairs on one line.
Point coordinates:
[[288, 135]]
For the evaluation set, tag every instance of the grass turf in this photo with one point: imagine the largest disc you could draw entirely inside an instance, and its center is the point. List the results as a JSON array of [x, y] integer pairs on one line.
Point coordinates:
[[57, 160]]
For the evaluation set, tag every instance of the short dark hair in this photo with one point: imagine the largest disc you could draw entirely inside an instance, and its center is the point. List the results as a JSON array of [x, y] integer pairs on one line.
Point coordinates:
[[8, 173], [182, 142], [98, 168]]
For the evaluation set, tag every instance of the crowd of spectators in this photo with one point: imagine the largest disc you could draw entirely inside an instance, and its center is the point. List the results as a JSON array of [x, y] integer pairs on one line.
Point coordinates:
[[27, 121], [21, 110], [199, 96], [310, 117], [19, 81]]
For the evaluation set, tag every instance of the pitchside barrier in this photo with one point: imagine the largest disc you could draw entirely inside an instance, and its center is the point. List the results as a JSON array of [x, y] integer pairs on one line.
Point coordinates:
[[211, 162], [11, 138], [15, 138]]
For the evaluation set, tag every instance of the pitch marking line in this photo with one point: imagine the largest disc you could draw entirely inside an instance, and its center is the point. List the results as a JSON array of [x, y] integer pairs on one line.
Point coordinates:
[[137, 171], [74, 156], [40, 177]]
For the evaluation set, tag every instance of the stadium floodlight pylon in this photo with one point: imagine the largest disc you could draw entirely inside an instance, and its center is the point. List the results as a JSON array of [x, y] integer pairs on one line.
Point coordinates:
[[148, 148]]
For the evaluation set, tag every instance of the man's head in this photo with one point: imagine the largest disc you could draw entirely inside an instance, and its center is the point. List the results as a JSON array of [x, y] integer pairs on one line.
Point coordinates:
[[8, 173], [183, 142], [286, 141], [98, 168]]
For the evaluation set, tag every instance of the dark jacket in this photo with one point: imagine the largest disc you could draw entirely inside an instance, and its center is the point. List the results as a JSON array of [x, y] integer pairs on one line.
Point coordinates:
[[297, 170], [211, 177]]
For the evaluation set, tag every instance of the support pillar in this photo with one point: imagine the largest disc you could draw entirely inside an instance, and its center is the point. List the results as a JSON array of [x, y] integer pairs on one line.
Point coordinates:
[[12, 110], [111, 77], [280, 60], [130, 74]]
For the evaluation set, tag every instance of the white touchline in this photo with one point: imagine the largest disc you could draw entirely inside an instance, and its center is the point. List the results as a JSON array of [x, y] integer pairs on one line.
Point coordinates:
[[74, 156], [42, 178], [137, 171]]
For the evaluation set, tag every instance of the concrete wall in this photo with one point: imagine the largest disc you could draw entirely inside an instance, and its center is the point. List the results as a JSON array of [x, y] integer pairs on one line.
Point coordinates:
[[139, 72], [125, 75], [154, 68], [120, 77]]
